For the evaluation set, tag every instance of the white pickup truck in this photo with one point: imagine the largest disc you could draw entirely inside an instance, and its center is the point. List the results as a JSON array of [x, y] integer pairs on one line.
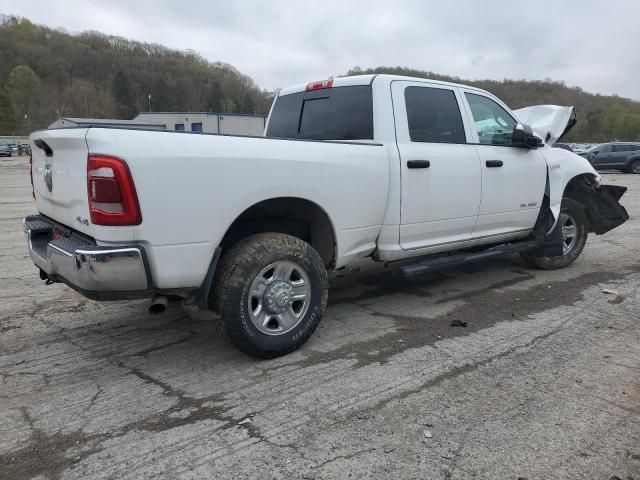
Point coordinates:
[[379, 166]]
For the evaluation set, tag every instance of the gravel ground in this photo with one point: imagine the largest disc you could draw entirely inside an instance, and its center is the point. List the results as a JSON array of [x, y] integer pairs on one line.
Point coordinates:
[[543, 383]]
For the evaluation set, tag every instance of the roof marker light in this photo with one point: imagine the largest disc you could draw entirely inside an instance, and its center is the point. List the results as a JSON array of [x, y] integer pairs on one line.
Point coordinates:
[[319, 85]]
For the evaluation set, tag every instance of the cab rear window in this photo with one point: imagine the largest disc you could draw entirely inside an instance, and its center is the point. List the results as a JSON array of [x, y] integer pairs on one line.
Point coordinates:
[[342, 113]]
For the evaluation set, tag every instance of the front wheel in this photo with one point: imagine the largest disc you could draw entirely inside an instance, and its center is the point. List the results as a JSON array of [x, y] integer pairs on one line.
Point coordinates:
[[575, 229], [635, 167], [271, 291]]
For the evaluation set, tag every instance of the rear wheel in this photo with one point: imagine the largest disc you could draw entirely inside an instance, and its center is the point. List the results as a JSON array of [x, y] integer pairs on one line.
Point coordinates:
[[635, 166], [271, 291], [575, 229]]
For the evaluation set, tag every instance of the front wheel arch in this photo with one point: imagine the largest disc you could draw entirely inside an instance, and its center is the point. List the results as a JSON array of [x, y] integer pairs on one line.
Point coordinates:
[[579, 186]]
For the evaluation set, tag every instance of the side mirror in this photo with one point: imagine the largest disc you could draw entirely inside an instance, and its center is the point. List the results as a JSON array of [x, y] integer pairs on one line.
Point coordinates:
[[595, 152], [523, 136]]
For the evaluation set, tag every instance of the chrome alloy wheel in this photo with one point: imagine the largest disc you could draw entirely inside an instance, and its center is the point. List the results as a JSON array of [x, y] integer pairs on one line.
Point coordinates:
[[635, 167], [279, 297], [569, 233]]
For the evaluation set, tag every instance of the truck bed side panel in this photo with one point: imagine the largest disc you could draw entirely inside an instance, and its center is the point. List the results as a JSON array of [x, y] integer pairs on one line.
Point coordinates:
[[192, 187]]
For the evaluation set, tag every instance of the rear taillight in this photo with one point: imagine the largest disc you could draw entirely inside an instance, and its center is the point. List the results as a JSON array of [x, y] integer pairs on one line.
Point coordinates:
[[319, 85], [112, 194], [33, 192]]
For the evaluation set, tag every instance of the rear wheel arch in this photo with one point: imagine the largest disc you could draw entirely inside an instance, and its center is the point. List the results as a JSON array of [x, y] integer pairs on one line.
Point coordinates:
[[293, 216], [631, 164]]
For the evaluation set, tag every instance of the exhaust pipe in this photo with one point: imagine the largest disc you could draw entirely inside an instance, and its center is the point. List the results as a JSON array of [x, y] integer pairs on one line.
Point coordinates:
[[158, 305]]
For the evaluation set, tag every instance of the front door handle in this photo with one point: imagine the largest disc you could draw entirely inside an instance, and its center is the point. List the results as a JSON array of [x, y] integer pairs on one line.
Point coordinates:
[[418, 163], [493, 163]]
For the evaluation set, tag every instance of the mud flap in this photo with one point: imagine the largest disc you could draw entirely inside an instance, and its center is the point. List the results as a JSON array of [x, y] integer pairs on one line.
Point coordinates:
[[602, 207], [550, 243]]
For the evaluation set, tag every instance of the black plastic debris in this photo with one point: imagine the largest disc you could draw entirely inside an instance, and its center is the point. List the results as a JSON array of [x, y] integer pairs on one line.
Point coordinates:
[[459, 323]]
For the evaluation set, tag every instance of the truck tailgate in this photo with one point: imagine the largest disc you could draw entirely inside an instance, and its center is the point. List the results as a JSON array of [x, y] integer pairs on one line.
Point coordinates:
[[60, 176]]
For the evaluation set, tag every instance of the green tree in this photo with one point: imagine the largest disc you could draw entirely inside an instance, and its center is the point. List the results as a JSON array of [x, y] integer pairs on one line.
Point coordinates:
[[121, 90], [247, 105], [160, 96], [7, 115], [214, 98], [21, 25], [228, 105], [631, 127], [23, 87], [181, 100]]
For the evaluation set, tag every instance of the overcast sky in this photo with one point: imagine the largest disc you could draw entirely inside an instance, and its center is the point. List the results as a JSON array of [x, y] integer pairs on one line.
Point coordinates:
[[589, 43]]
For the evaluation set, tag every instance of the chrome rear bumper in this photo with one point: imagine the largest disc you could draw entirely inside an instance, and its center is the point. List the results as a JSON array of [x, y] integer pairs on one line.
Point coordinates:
[[98, 272]]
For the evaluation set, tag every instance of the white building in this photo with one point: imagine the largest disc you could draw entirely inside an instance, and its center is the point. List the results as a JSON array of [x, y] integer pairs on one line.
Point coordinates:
[[207, 122]]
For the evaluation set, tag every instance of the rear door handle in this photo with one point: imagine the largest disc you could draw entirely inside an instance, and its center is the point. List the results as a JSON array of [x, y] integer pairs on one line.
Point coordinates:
[[493, 163], [418, 163]]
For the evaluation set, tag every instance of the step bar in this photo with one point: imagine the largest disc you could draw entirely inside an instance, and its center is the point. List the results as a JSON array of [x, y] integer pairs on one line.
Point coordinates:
[[432, 263]]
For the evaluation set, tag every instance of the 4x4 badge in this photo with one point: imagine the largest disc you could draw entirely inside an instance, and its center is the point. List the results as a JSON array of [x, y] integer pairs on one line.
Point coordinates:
[[48, 176]]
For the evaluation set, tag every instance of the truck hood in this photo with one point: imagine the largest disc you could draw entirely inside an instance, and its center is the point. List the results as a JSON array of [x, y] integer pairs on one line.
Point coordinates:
[[549, 122]]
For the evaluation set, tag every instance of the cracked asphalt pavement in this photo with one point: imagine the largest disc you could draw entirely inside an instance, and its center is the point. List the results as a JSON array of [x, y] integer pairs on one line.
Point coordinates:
[[543, 383]]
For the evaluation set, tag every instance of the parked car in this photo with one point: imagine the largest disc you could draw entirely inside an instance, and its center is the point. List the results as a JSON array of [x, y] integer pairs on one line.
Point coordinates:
[[416, 173], [26, 149], [580, 149], [623, 156], [5, 150], [14, 149], [584, 153], [564, 146]]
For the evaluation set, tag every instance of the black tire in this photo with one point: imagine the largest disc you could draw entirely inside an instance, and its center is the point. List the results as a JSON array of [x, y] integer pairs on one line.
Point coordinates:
[[233, 294], [574, 211], [634, 166]]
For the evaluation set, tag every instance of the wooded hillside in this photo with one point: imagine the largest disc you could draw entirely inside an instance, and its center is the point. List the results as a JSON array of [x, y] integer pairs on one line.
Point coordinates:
[[46, 73]]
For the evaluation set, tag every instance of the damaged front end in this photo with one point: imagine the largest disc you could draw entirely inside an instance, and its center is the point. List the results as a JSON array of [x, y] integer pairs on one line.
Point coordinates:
[[601, 206], [600, 202], [570, 176]]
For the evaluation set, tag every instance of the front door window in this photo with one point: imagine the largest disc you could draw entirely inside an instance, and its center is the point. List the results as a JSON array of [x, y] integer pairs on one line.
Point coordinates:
[[493, 124]]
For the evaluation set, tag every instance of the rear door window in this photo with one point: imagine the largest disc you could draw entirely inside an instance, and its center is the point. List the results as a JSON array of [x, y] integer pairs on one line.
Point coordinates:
[[341, 113], [624, 148], [433, 115]]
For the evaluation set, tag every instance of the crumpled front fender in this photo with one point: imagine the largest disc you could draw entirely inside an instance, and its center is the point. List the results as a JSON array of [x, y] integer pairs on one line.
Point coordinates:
[[601, 204], [564, 169]]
